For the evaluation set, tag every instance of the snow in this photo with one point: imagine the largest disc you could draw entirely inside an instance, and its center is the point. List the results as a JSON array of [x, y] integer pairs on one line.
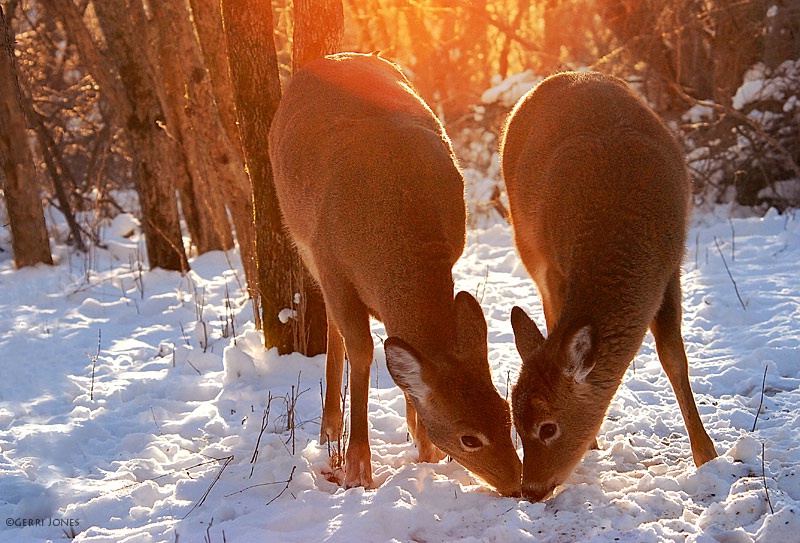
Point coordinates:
[[508, 91], [132, 405], [761, 83]]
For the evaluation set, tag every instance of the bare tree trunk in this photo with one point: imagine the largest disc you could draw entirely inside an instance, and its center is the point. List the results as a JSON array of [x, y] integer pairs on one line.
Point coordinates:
[[256, 83], [96, 63], [228, 147], [29, 238], [190, 99], [154, 148], [318, 30], [58, 172], [737, 45], [523, 6], [782, 37]]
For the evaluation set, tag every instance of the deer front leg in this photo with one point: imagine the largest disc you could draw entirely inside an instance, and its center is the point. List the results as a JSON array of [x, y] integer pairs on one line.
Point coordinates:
[[428, 452], [358, 344]]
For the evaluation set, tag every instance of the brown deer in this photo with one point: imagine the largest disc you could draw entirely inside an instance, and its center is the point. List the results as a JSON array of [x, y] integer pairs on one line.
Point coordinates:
[[374, 201], [599, 201]]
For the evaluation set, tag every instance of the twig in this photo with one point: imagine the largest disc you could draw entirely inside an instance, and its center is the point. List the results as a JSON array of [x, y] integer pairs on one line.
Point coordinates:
[[747, 121], [761, 403], [227, 460], [229, 328], [245, 489], [764, 480], [290, 414], [696, 251], [288, 482], [194, 367], [199, 308], [94, 365], [264, 422], [165, 475], [291, 407], [736, 288], [482, 286]]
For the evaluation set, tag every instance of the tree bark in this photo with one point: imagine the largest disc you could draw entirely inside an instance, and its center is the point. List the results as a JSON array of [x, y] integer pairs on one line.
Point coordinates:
[[154, 148], [254, 71], [58, 173], [736, 46], [229, 158], [29, 238], [318, 30], [189, 97]]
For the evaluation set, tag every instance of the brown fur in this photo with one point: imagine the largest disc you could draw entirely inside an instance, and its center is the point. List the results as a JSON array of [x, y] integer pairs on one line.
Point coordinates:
[[371, 195], [599, 202]]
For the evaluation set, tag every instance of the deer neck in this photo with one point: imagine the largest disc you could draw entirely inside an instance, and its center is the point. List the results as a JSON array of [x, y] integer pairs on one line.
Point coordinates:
[[619, 335], [424, 319]]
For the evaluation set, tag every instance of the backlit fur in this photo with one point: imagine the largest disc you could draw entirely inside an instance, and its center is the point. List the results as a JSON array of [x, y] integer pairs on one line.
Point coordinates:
[[599, 201]]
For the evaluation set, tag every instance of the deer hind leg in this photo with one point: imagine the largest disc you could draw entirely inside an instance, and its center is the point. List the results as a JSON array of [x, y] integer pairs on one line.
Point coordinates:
[[666, 329], [331, 428], [428, 452]]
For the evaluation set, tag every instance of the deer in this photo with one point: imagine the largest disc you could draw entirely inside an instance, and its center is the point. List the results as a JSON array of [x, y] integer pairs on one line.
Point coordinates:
[[599, 203], [373, 199]]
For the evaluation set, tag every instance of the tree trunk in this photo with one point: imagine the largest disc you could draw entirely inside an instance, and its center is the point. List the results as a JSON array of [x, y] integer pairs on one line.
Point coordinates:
[[154, 148], [29, 238], [782, 37], [98, 64], [256, 83], [312, 39], [318, 30], [238, 192], [737, 45], [59, 174], [191, 104]]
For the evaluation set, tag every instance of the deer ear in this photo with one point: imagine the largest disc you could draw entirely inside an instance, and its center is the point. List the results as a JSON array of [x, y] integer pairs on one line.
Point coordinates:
[[471, 330], [580, 353], [527, 336], [405, 368]]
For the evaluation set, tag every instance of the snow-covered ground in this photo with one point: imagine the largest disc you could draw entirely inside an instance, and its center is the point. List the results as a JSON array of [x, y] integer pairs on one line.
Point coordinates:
[[139, 406]]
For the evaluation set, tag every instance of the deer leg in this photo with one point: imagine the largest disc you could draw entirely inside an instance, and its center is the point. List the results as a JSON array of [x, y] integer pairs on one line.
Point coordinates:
[[359, 347], [331, 428], [428, 452], [666, 329]]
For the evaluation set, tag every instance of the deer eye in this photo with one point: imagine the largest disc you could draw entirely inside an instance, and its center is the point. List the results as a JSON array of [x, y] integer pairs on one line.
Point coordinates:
[[471, 443], [548, 431]]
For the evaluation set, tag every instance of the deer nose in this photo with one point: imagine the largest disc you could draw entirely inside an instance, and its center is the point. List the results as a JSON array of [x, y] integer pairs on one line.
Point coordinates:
[[535, 492], [510, 492]]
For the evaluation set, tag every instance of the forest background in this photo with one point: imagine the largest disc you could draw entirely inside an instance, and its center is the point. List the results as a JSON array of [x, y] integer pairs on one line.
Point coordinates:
[[171, 100]]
